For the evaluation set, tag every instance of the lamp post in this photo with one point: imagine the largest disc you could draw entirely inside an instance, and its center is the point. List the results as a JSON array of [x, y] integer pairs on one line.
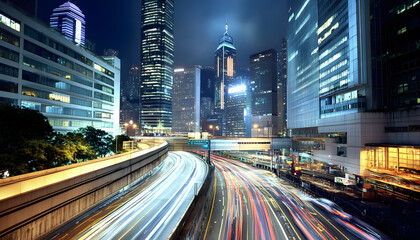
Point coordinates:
[[211, 127], [255, 126]]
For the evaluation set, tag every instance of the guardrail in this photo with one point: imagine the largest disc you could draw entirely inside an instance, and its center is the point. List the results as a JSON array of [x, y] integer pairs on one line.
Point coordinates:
[[34, 204], [190, 226]]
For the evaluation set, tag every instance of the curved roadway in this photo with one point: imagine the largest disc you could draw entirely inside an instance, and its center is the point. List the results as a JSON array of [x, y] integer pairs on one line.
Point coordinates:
[[152, 210], [252, 204]]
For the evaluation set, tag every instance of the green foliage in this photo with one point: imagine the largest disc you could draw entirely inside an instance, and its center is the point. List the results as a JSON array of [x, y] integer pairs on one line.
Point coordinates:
[[27, 142], [120, 139], [23, 134], [72, 147], [100, 140]]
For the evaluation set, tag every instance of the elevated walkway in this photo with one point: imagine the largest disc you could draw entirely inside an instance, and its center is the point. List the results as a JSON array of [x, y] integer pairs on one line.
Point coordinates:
[[223, 144]]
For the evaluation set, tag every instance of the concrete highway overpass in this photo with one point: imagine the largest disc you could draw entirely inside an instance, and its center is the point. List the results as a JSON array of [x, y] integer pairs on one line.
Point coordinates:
[[34, 204], [226, 144]]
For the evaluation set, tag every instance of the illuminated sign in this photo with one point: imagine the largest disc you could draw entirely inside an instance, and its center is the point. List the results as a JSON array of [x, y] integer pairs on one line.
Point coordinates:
[[237, 89], [78, 33], [179, 70]]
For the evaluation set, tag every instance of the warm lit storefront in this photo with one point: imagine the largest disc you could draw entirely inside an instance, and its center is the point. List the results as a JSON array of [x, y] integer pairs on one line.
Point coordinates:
[[393, 159]]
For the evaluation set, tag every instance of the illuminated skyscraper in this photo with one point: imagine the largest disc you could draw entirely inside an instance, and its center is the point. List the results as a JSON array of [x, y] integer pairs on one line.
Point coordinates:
[[238, 109], [157, 54], [130, 96], [186, 100], [70, 21], [264, 75], [282, 89], [225, 68]]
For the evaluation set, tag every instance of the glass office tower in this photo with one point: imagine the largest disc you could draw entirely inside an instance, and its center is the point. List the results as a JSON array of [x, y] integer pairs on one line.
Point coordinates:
[[342, 82], [302, 69], [225, 57], [238, 109], [264, 77], [157, 57], [186, 100], [130, 97], [70, 21]]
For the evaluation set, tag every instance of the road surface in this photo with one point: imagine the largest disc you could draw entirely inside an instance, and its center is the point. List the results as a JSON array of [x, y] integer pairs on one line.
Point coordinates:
[[251, 203], [153, 210]]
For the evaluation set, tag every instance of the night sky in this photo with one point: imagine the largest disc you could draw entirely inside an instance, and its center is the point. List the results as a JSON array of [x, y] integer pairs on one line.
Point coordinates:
[[255, 25]]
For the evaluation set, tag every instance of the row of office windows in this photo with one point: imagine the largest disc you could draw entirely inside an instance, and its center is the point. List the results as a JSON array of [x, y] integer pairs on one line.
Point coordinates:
[[48, 69], [9, 37], [32, 77], [27, 91], [9, 70], [103, 97], [29, 31], [7, 86], [46, 108], [9, 54], [42, 52], [104, 79], [58, 122]]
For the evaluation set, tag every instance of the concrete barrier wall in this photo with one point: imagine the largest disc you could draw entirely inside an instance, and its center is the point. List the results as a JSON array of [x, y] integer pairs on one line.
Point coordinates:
[[37, 207], [193, 223]]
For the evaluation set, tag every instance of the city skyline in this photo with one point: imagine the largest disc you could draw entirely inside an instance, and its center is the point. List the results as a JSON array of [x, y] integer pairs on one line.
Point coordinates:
[[316, 136], [253, 32]]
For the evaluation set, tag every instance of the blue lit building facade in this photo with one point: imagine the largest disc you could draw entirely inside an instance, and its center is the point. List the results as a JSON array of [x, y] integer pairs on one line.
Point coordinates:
[[343, 77], [41, 70], [352, 100], [238, 109], [303, 66], [70, 21], [157, 58]]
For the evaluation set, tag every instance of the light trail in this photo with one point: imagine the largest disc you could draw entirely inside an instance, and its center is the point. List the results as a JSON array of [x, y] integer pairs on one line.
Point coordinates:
[[154, 211]]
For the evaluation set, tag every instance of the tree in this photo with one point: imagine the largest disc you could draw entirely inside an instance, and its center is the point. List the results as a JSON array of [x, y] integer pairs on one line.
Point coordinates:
[[120, 139], [100, 140], [23, 133], [72, 147]]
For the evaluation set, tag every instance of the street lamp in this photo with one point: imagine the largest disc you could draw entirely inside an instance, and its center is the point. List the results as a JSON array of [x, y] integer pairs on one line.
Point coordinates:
[[211, 127], [257, 129]]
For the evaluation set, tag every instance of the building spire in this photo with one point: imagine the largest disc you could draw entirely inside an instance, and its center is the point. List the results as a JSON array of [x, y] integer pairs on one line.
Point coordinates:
[[226, 27]]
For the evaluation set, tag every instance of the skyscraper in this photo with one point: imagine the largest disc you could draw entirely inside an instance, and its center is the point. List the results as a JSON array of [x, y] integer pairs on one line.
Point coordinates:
[[282, 90], [207, 89], [302, 68], [130, 97], [225, 57], [157, 54], [186, 100], [264, 77], [70, 21], [238, 109], [359, 60]]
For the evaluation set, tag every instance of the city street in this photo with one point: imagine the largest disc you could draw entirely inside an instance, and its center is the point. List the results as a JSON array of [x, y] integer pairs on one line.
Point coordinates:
[[151, 211], [253, 204]]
